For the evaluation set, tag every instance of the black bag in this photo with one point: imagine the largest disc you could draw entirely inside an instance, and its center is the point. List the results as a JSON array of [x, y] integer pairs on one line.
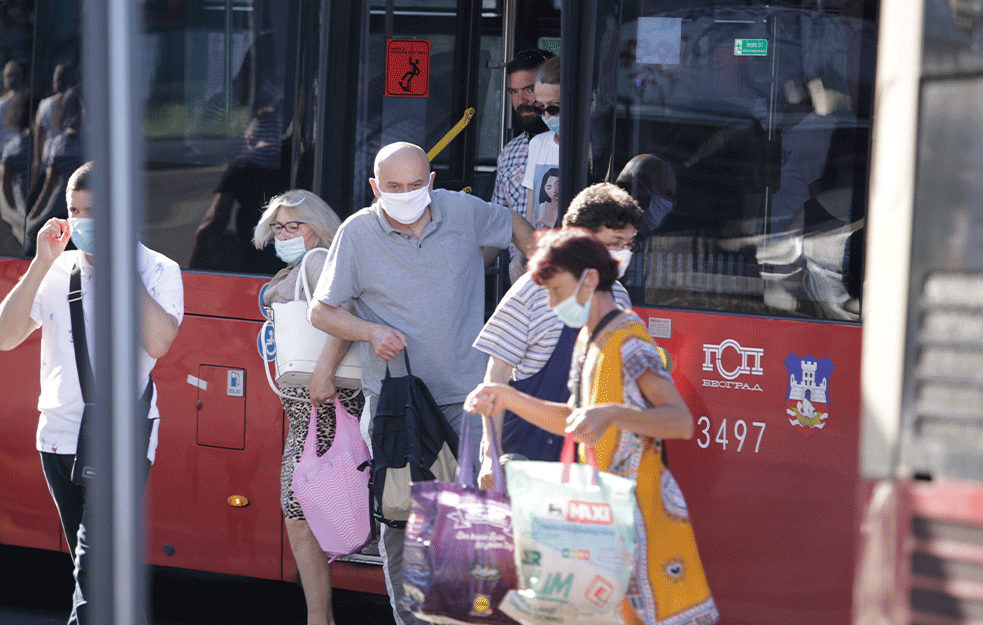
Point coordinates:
[[412, 441]]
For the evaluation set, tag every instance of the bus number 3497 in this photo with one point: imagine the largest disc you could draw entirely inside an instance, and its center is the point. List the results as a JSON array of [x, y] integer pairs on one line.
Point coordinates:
[[740, 433]]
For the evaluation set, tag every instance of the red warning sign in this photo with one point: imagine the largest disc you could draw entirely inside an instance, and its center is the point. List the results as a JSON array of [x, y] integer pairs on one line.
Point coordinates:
[[408, 68]]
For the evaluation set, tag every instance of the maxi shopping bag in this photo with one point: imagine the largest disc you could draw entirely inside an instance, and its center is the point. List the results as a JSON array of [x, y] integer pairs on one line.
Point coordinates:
[[458, 557], [574, 541]]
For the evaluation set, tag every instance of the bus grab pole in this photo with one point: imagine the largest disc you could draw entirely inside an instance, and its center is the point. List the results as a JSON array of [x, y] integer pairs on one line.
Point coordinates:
[[116, 579]]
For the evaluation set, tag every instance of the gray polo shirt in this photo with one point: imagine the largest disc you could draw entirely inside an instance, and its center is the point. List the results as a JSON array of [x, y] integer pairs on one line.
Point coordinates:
[[431, 289]]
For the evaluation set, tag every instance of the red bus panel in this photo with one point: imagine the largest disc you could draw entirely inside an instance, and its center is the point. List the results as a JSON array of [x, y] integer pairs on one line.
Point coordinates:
[[769, 480]]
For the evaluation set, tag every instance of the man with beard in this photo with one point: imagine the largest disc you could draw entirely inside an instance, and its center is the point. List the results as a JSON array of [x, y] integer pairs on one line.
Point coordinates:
[[521, 72]]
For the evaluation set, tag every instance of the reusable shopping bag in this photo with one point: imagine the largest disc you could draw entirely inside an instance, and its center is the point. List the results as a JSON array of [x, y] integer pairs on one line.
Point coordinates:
[[411, 442], [574, 541], [458, 556], [333, 489], [297, 345]]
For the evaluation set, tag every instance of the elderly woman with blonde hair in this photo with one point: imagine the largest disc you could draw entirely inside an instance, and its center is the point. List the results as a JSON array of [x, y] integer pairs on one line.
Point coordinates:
[[298, 221]]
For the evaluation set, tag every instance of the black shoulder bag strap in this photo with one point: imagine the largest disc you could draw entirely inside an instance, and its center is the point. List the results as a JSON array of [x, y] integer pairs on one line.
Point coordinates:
[[83, 470]]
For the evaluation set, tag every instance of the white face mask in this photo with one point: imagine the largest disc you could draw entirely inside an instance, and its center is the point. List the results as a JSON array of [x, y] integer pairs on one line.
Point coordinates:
[[571, 312], [623, 257], [407, 207]]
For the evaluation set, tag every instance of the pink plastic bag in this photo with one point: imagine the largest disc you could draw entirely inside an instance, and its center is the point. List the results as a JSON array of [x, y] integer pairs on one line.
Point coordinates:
[[458, 555], [333, 490]]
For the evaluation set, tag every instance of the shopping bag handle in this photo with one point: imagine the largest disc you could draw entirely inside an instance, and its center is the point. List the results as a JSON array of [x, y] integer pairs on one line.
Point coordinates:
[[465, 468], [567, 458]]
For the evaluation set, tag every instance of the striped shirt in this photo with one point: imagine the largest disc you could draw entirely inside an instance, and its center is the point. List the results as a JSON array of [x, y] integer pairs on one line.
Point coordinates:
[[523, 330], [509, 191]]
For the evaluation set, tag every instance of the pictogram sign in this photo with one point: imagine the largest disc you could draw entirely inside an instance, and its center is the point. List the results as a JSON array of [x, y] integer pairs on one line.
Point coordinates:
[[408, 68]]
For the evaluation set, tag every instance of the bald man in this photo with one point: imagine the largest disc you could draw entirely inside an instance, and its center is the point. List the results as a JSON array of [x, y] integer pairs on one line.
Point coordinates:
[[413, 268]]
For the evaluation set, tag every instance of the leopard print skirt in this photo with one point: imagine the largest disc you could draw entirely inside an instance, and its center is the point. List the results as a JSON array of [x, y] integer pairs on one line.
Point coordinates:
[[298, 410]]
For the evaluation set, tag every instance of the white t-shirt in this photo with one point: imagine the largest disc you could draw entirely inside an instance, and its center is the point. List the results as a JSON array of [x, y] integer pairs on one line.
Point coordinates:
[[60, 402], [543, 162]]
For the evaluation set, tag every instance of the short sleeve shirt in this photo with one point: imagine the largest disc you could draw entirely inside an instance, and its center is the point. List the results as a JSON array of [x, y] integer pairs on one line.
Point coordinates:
[[523, 331], [510, 171], [60, 402], [431, 288]]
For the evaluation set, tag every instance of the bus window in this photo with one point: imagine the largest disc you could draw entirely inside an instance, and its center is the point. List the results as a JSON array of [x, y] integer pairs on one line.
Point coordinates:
[[743, 131], [218, 112]]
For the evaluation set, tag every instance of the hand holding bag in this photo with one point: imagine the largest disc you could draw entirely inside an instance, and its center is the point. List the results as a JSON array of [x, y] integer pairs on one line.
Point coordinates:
[[574, 541], [297, 345], [458, 556], [333, 490]]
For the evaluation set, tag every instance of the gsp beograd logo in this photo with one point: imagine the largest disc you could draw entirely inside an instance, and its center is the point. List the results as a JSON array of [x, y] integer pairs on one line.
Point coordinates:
[[807, 402], [744, 361]]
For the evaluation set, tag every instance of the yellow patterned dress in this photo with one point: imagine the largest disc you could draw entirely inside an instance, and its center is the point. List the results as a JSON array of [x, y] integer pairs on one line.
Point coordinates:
[[668, 584]]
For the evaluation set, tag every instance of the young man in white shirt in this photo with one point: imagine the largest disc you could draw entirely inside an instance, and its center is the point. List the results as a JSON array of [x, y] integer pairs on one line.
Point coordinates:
[[41, 299]]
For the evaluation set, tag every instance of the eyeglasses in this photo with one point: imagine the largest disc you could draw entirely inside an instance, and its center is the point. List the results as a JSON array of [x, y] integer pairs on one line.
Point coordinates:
[[552, 109], [291, 226]]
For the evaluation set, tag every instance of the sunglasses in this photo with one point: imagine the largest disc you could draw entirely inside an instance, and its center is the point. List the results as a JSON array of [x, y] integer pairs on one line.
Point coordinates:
[[552, 109]]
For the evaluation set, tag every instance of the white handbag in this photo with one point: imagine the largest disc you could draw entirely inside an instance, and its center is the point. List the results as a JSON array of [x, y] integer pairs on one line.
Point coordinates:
[[297, 345]]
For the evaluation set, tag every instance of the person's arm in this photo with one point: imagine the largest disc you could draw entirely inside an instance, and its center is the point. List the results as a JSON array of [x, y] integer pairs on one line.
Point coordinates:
[[158, 328], [213, 224], [7, 180], [667, 418], [498, 371], [45, 195], [523, 234], [489, 399], [40, 136], [386, 342], [15, 310], [322, 386]]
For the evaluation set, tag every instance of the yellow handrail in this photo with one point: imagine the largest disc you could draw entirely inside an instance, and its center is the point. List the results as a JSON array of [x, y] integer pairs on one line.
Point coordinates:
[[453, 132]]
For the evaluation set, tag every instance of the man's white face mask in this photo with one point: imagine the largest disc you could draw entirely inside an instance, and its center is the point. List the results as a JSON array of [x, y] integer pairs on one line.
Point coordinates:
[[406, 207]]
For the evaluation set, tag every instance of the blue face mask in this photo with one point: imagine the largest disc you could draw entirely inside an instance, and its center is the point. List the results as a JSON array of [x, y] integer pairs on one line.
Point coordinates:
[[291, 250], [659, 207], [570, 311], [553, 123], [83, 233]]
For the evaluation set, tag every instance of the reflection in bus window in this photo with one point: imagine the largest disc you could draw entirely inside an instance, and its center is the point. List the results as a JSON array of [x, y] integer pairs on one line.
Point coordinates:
[[218, 112], [744, 133], [65, 154]]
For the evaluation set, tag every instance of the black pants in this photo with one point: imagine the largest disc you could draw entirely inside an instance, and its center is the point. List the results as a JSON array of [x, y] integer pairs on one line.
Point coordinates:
[[70, 499]]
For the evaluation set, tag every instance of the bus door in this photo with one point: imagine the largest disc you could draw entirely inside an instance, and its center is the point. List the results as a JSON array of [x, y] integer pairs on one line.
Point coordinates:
[[921, 549], [423, 66], [742, 128]]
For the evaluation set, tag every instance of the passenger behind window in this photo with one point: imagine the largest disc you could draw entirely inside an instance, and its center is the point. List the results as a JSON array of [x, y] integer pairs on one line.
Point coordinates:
[[65, 155], [652, 182], [250, 181], [14, 171], [64, 78]]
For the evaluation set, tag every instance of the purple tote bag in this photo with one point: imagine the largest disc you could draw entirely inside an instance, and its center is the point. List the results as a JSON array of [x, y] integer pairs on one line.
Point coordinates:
[[458, 557]]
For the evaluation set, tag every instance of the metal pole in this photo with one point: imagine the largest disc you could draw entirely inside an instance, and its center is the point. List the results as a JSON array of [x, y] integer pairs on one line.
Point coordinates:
[[509, 9], [112, 49]]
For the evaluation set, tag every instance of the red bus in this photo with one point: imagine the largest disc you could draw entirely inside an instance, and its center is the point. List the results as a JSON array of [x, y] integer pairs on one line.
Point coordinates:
[[758, 116]]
